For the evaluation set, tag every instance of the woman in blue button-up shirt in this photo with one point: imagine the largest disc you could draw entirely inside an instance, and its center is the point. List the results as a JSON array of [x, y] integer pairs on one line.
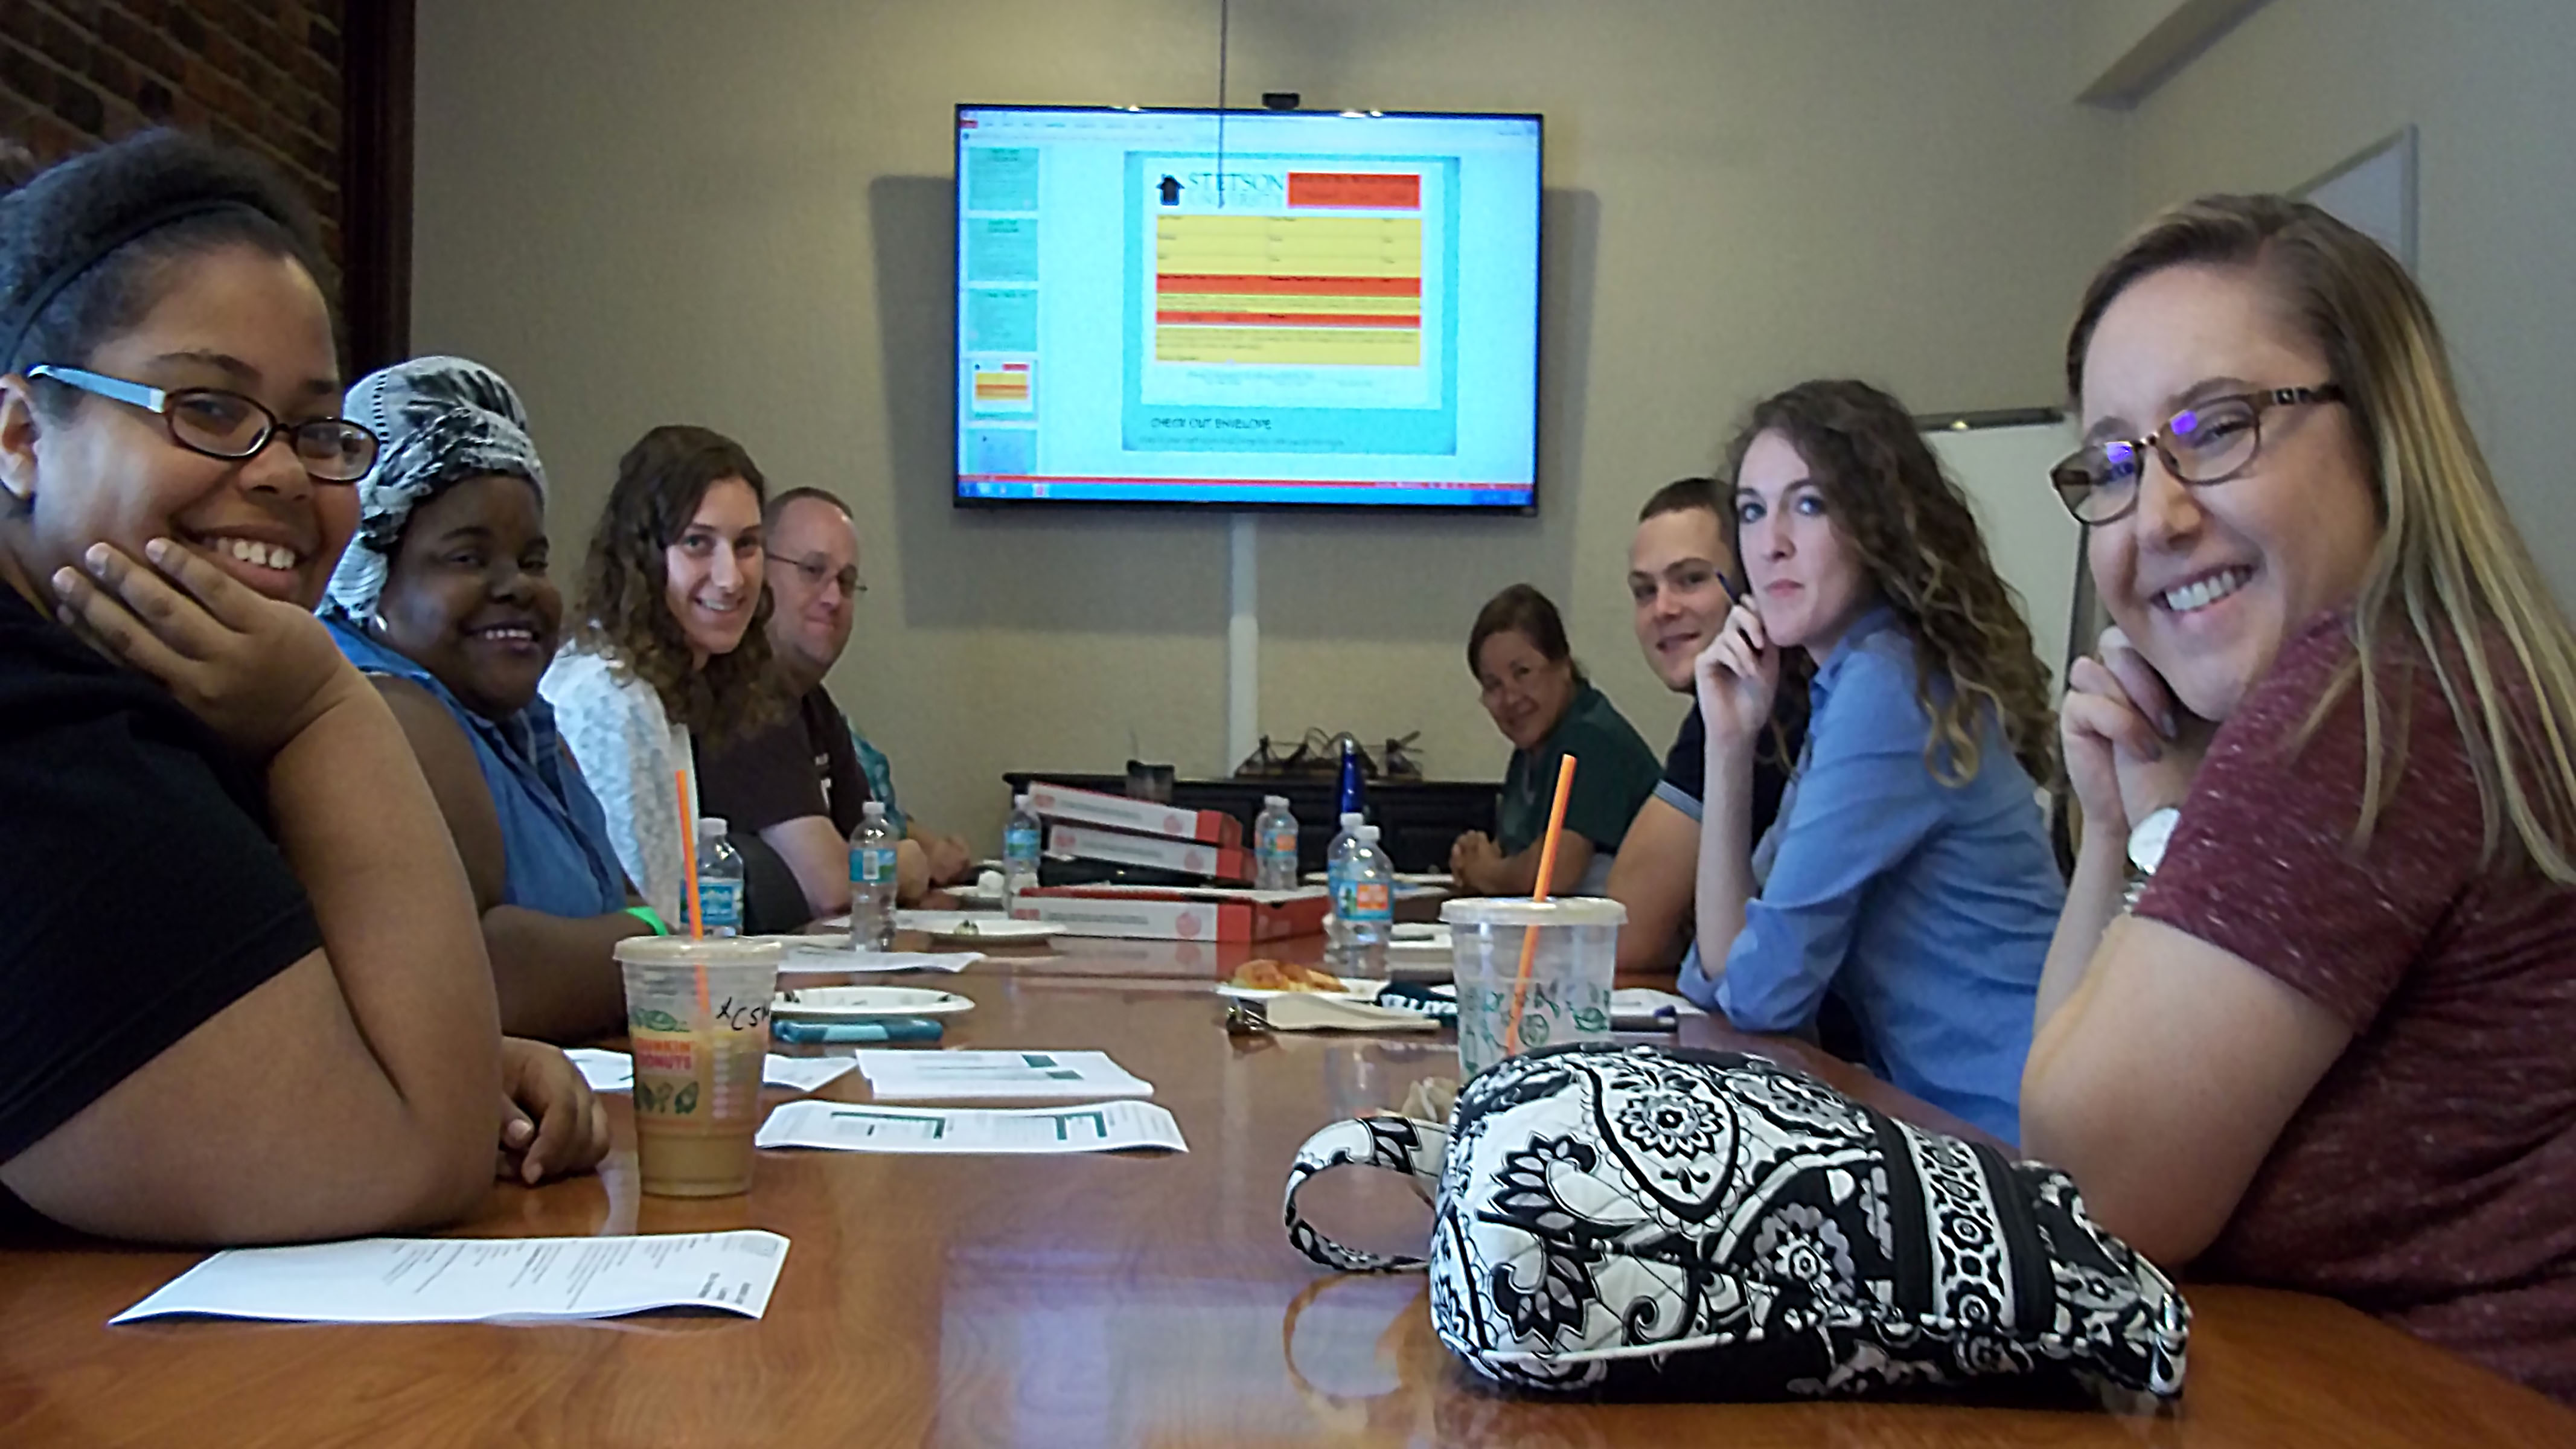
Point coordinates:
[[1909, 871]]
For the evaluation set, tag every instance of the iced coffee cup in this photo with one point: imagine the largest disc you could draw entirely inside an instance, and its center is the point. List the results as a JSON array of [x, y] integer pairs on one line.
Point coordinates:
[[1567, 997], [697, 1014]]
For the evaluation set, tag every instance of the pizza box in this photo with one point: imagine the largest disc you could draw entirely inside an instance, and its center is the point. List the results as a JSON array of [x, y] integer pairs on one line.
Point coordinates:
[[1189, 857], [1119, 812]]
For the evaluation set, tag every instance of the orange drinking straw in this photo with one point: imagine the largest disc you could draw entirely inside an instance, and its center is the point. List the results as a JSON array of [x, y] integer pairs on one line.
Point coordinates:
[[1546, 875], [689, 856]]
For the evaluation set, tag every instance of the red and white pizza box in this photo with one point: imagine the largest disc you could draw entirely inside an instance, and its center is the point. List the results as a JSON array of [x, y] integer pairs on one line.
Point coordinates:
[[1118, 812], [1173, 915], [1190, 857]]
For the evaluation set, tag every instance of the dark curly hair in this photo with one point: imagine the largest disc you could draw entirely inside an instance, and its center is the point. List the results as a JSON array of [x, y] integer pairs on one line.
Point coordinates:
[[1917, 537], [623, 612], [91, 244]]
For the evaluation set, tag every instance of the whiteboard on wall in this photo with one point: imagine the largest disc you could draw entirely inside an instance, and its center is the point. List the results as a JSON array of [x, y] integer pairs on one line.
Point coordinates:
[[2035, 544]]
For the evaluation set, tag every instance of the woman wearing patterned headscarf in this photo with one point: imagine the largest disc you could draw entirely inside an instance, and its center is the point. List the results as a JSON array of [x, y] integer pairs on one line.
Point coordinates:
[[443, 600]]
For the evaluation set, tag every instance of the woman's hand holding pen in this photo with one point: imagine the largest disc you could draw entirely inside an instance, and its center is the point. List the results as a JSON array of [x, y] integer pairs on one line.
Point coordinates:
[[1737, 675]]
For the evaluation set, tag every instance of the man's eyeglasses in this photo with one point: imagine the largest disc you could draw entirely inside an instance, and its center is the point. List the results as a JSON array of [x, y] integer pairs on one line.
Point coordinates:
[[230, 426], [816, 574], [2211, 442]]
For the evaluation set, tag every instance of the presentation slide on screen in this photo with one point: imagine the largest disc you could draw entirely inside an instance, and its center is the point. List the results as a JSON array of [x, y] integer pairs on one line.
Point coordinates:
[[1311, 308]]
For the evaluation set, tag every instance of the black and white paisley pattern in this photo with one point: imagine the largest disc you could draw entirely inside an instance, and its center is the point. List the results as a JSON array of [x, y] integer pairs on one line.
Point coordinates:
[[1970, 1264], [1713, 1224]]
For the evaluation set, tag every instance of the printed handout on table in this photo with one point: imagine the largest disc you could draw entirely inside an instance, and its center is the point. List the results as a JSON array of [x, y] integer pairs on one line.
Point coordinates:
[[468, 1280], [609, 1071], [1092, 1127], [968, 1076]]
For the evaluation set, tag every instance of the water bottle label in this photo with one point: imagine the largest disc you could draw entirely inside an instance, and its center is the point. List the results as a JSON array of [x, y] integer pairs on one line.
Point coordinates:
[[1344, 901], [1371, 901], [872, 865], [1282, 841], [721, 900], [1020, 842]]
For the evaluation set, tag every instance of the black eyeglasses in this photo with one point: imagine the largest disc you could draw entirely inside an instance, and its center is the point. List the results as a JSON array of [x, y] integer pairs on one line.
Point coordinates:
[[230, 426], [816, 575], [2208, 443]]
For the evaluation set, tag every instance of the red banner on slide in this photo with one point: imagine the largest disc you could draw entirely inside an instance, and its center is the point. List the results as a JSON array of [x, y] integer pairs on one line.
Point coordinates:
[[1369, 190]]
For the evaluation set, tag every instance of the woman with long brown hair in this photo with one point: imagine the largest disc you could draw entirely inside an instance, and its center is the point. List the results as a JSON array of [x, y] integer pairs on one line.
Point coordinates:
[[669, 650], [1909, 871], [2324, 1043]]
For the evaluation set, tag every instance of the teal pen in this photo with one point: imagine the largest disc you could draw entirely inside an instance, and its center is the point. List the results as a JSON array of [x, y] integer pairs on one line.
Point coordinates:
[[883, 1029]]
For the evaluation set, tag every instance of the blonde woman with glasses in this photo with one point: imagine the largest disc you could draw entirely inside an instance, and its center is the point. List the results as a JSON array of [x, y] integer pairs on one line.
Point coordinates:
[[2308, 1017]]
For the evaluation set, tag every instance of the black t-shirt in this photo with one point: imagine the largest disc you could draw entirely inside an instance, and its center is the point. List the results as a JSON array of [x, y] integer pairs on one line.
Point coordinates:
[[1686, 767], [147, 890], [802, 765]]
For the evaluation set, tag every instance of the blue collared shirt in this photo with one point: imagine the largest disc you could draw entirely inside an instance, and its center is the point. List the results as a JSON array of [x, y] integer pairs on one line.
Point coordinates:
[[1927, 907]]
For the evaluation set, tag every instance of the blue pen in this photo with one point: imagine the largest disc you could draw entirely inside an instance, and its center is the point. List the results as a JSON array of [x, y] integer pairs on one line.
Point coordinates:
[[884, 1029]]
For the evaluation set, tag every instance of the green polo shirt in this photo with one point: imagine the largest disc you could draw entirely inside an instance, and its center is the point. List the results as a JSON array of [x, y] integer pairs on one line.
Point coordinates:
[[1614, 772]]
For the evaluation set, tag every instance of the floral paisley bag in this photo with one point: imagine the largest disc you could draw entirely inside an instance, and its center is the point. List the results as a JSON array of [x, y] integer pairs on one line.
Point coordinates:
[[1699, 1224]]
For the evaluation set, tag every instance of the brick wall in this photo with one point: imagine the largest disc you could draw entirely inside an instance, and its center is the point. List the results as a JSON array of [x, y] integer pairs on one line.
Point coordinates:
[[261, 74]]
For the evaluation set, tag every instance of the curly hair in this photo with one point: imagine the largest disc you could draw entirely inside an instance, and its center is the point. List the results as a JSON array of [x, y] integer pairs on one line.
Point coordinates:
[[622, 609], [1917, 537]]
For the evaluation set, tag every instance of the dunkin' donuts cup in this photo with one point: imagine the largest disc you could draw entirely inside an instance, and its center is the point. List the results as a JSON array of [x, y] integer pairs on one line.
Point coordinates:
[[698, 1058], [1568, 997]]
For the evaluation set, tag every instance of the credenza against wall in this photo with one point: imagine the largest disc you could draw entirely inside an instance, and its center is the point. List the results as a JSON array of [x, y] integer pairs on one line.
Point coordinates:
[[1416, 819]]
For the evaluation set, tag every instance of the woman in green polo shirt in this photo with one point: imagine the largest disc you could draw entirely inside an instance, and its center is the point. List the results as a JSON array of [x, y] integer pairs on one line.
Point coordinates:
[[1542, 703]]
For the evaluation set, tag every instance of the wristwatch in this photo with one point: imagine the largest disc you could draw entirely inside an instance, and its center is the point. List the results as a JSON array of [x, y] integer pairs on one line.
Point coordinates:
[[2147, 839]]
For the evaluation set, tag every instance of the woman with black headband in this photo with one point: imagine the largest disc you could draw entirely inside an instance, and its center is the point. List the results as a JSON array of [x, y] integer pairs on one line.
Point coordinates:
[[242, 993]]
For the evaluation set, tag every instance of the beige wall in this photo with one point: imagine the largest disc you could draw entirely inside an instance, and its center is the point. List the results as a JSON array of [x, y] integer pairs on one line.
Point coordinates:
[[656, 210], [2301, 85]]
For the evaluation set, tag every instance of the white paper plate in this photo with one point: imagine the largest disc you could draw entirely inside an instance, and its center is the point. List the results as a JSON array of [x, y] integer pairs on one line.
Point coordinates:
[[997, 931], [858, 1003], [1352, 990]]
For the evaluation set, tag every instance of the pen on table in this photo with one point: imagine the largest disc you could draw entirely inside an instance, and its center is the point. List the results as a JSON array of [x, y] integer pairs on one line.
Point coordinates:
[[1661, 1019], [883, 1029]]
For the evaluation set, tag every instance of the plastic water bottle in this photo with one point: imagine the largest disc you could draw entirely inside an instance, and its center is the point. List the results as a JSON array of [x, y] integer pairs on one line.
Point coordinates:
[[1275, 841], [1020, 847], [719, 879], [1337, 869], [872, 870], [1369, 920], [1337, 856]]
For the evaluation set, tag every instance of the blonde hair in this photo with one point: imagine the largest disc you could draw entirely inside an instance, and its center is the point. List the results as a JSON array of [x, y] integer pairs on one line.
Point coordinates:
[[2448, 563]]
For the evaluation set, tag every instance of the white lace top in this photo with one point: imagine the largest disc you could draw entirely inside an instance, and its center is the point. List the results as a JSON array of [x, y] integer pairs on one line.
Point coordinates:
[[631, 755]]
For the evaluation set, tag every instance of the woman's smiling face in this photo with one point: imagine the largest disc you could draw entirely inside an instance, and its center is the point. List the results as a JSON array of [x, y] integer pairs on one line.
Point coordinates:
[[2208, 581], [712, 575], [236, 318], [468, 597]]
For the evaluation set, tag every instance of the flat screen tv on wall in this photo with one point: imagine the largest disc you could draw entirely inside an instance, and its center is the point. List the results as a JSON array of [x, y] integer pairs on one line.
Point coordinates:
[[1247, 309]]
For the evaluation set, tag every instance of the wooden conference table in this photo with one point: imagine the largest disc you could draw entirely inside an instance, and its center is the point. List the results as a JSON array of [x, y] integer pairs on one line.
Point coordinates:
[[1091, 1300]]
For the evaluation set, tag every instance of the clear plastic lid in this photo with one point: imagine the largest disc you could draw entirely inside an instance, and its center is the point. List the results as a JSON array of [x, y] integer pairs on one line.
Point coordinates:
[[1275, 802], [1020, 803], [713, 951], [1522, 911], [1367, 834], [710, 826], [872, 810], [1351, 819]]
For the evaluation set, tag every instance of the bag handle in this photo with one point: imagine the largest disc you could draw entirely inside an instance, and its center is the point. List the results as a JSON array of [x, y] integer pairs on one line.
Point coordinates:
[[1388, 1143]]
